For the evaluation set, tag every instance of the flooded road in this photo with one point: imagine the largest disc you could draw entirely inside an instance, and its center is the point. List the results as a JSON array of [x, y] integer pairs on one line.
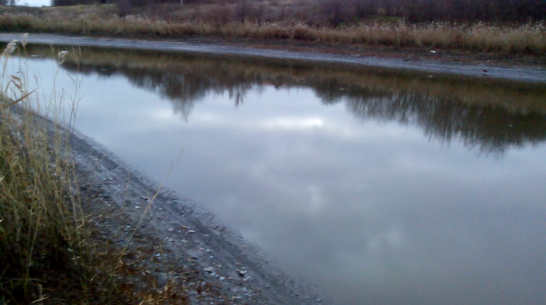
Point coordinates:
[[380, 188], [430, 64]]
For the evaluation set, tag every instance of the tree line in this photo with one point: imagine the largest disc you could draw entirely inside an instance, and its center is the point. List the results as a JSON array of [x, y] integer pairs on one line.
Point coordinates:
[[347, 11], [437, 10], [452, 10]]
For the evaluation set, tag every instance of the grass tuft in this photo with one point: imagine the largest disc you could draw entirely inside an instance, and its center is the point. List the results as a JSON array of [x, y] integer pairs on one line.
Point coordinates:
[[41, 223]]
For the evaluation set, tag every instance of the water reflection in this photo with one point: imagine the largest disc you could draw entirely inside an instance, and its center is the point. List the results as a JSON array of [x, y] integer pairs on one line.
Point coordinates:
[[491, 129], [485, 115], [357, 201]]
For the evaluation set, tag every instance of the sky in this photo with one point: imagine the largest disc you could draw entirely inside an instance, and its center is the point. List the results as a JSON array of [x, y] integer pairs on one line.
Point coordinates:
[[34, 2]]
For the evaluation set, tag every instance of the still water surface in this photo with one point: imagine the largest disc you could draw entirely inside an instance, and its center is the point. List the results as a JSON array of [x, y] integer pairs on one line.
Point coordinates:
[[380, 188]]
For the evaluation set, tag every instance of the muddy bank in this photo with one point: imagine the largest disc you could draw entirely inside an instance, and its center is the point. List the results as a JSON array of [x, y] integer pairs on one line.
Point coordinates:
[[429, 64]]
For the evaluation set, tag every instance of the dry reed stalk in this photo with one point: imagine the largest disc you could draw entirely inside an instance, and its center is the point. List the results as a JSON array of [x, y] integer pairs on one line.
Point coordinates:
[[522, 39], [41, 218]]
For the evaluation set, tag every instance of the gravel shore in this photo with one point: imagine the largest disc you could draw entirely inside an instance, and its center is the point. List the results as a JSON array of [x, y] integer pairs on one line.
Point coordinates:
[[176, 242]]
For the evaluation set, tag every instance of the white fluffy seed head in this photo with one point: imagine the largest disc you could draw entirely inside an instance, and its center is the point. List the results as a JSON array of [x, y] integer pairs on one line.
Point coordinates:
[[25, 37], [62, 55], [10, 48]]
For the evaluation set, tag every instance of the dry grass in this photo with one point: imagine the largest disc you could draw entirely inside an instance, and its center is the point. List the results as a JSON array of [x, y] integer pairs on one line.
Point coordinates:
[[39, 215], [50, 251], [219, 21]]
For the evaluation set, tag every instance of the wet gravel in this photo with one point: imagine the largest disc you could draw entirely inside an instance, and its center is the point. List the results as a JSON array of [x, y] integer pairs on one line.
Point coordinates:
[[185, 245]]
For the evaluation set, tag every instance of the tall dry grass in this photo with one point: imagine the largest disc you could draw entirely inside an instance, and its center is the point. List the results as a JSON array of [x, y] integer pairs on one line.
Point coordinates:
[[41, 221], [509, 39], [50, 253], [46, 253]]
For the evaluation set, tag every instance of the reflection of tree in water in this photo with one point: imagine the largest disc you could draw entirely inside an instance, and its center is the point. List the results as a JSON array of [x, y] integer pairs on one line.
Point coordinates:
[[491, 129], [182, 89]]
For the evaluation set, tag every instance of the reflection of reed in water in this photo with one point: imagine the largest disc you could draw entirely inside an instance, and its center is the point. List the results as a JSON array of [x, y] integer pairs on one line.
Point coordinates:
[[485, 114]]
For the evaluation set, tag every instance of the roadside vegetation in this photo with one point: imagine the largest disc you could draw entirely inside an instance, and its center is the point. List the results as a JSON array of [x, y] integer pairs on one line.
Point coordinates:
[[51, 251], [42, 229], [479, 26]]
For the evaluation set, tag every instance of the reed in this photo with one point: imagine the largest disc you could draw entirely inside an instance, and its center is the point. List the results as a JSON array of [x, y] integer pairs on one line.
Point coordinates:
[[529, 39], [41, 223], [50, 250]]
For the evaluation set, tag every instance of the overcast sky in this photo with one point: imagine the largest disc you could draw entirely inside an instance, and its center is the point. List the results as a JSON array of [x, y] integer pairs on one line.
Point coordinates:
[[34, 2]]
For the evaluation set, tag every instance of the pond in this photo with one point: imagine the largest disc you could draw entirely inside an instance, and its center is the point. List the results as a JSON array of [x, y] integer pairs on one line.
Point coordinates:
[[379, 187]]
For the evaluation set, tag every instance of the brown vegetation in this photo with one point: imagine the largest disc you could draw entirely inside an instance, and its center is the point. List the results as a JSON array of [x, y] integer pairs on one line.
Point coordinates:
[[348, 11], [302, 20], [51, 250]]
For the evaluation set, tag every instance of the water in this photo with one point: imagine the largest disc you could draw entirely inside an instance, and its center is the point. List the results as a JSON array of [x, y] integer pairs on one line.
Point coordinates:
[[381, 188]]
